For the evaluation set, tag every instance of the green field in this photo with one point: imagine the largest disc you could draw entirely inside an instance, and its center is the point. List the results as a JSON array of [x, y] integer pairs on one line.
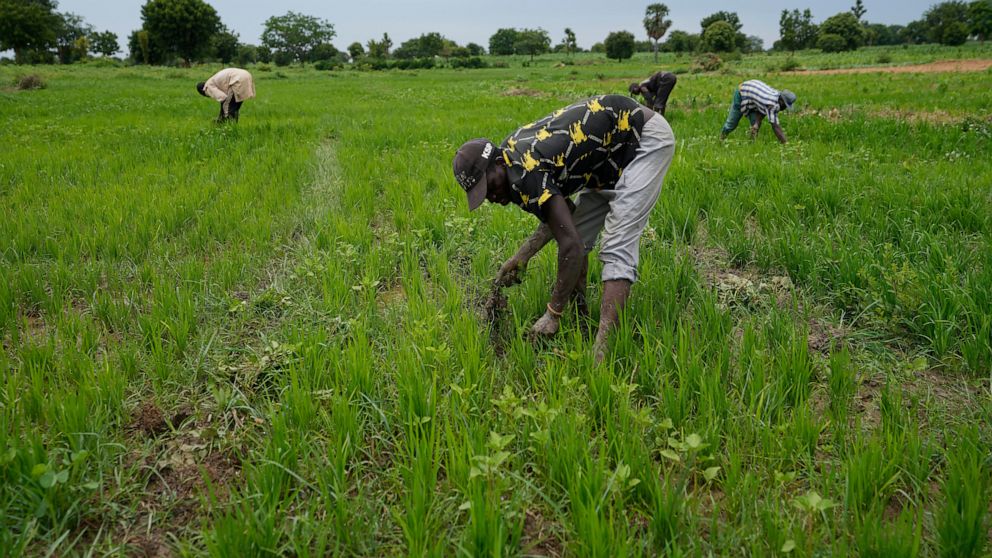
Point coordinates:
[[268, 338]]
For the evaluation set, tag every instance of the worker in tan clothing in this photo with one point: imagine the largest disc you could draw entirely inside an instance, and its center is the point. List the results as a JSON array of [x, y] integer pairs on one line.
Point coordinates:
[[230, 87]]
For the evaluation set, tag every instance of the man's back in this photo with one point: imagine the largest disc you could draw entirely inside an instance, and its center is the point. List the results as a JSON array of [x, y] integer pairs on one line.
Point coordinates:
[[229, 80], [586, 144], [758, 96]]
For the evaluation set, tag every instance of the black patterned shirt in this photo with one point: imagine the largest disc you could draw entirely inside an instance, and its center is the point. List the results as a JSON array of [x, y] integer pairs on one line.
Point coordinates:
[[584, 145]]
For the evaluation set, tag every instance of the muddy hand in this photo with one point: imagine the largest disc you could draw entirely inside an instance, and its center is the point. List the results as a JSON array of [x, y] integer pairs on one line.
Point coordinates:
[[546, 326], [509, 273]]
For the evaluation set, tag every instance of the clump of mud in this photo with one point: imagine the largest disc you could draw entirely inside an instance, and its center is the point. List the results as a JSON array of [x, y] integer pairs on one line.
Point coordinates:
[[493, 309]]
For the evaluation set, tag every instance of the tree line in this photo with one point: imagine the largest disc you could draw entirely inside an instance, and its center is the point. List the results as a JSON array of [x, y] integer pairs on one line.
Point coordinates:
[[184, 31], [947, 23], [39, 34]]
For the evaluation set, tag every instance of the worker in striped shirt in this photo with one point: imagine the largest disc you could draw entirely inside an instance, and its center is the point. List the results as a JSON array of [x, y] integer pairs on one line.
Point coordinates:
[[758, 101]]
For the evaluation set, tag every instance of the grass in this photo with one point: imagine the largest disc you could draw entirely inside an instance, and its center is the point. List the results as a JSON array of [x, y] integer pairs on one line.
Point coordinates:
[[266, 339]]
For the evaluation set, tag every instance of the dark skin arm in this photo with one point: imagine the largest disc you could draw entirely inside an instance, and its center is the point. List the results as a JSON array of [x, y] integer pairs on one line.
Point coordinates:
[[570, 263], [570, 253], [779, 132], [509, 272]]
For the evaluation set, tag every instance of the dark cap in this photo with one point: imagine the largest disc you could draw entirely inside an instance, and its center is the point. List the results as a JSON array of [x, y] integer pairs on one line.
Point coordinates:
[[471, 162], [201, 88]]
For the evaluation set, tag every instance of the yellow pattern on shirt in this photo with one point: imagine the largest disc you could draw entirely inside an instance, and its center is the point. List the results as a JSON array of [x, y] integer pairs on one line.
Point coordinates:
[[543, 134], [594, 105], [545, 196], [623, 123], [578, 136], [530, 163]]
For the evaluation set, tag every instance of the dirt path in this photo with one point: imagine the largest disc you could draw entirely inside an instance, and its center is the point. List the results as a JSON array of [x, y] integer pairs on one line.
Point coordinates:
[[931, 68]]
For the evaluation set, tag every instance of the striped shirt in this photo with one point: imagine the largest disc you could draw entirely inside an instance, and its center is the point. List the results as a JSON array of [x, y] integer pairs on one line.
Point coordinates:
[[757, 96]]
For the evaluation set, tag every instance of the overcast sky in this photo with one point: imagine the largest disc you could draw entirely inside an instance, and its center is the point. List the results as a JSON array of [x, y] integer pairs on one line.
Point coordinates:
[[472, 21]]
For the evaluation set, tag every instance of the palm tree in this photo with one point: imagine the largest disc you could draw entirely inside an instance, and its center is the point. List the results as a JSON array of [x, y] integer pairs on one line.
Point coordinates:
[[656, 25], [569, 41]]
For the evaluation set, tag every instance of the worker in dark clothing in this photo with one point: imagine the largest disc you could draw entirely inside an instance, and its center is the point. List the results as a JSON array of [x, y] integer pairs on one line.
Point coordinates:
[[655, 90]]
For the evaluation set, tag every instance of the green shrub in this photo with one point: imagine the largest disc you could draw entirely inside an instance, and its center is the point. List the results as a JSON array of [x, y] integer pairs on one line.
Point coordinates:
[[720, 36], [884, 58], [283, 58], [955, 34], [790, 64], [470, 62], [831, 42], [706, 62], [414, 64], [732, 56], [327, 65]]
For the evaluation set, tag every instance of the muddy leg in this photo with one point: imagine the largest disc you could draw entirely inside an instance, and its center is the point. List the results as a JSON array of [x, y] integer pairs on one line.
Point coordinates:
[[615, 293]]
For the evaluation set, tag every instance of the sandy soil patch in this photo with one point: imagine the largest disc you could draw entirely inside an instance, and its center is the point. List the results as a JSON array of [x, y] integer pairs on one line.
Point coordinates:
[[931, 68]]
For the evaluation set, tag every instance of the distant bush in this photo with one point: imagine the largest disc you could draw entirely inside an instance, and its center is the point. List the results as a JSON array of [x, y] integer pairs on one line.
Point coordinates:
[[831, 42], [720, 36], [367, 64], [470, 62], [377, 64], [263, 68], [327, 65], [846, 26], [706, 62], [790, 64], [413, 64], [884, 58], [103, 62], [29, 82], [283, 58], [955, 34]]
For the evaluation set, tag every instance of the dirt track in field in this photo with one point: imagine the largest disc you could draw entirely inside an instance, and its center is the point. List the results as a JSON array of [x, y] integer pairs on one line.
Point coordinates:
[[931, 68]]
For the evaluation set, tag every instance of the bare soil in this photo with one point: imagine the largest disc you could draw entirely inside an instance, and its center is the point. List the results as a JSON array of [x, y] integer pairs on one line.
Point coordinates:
[[178, 477], [942, 66], [149, 420], [539, 536], [928, 116], [523, 92]]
